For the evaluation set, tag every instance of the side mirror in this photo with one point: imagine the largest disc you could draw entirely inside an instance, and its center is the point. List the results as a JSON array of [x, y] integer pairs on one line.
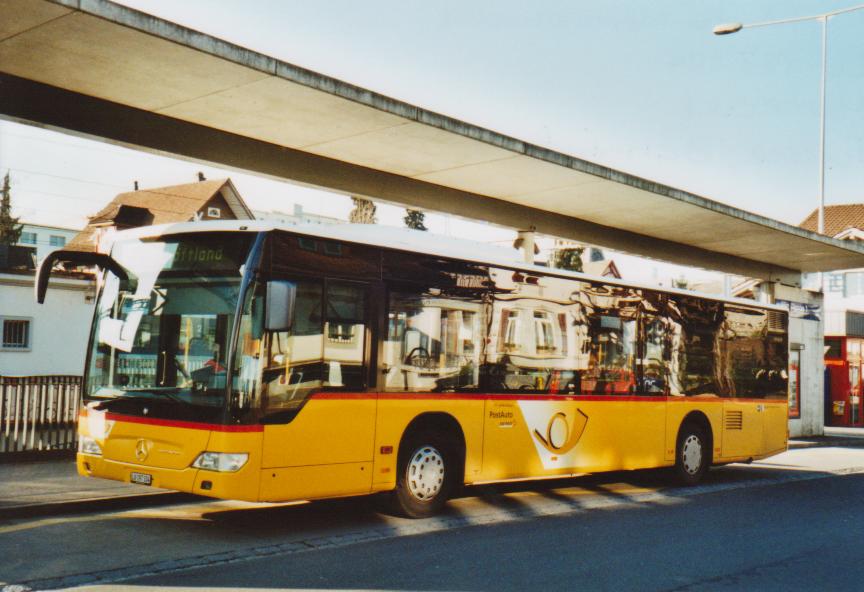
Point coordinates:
[[281, 299], [79, 258]]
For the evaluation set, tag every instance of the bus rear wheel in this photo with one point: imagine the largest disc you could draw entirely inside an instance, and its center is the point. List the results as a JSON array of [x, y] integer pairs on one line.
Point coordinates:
[[692, 455], [426, 473]]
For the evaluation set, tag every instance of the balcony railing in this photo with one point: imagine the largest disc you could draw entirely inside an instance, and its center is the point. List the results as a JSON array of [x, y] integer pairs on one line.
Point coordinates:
[[38, 413]]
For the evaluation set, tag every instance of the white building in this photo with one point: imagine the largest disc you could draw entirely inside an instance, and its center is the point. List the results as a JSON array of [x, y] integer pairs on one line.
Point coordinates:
[[41, 340], [297, 217], [45, 238], [44, 339]]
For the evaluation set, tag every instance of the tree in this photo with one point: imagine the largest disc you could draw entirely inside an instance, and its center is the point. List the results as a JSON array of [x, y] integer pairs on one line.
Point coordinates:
[[363, 212], [10, 230], [414, 219], [568, 258]]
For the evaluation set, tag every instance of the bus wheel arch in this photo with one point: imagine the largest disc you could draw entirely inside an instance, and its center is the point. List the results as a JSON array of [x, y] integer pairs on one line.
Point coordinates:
[[430, 465], [694, 448]]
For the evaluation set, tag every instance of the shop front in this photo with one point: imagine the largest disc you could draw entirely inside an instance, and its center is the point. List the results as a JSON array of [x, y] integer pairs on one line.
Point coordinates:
[[843, 365]]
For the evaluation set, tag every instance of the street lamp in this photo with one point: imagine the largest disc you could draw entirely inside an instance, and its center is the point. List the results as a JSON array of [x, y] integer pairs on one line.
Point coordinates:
[[730, 28]]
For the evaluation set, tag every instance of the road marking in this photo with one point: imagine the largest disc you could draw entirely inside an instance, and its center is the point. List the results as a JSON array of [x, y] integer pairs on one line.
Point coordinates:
[[53, 522]]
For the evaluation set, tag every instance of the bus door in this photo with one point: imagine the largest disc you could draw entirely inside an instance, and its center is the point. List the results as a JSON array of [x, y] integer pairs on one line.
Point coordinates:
[[319, 418], [775, 426], [742, 428]]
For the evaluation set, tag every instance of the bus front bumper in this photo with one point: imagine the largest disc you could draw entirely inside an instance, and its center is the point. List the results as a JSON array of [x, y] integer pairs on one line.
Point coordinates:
[[241, 485]]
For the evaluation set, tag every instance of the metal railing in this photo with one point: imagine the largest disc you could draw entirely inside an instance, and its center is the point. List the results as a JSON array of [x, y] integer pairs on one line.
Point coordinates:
[[38, 413]]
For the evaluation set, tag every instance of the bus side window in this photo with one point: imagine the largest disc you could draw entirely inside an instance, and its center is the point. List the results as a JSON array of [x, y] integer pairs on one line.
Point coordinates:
[[433, 343], [293, 364], [345, 322], [696, 365]]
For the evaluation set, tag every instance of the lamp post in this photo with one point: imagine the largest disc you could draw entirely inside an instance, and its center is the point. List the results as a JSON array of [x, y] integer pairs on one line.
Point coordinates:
[[823, 18]]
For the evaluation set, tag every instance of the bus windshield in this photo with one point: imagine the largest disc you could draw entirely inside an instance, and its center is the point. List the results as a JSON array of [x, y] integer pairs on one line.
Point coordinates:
[[161, 337]]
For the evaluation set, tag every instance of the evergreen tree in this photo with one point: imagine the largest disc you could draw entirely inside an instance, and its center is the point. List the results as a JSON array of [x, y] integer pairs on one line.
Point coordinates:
[[10, 230], [568, 258], [414, 219], [363, 212]]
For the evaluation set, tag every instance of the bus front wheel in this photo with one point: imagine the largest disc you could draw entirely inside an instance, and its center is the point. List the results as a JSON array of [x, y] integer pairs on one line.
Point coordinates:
[[692, 454], [427, 469]]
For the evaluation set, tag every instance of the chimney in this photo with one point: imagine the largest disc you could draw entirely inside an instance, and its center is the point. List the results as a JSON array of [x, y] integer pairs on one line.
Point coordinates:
[[525, 242], [201, 176], [136, 185]]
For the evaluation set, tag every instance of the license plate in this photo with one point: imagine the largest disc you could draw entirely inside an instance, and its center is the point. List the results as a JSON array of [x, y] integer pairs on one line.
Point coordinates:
[[141, 478]]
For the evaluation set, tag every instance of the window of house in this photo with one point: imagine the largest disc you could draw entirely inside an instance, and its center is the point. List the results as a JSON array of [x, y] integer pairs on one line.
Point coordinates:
[[16, 334], [28, 238], [835, 282], [57, 241], [509, 340], [854, 281], [544, 336]]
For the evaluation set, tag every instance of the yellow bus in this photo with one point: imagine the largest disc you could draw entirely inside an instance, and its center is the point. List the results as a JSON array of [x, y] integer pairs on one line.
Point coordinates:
[[252, 361]]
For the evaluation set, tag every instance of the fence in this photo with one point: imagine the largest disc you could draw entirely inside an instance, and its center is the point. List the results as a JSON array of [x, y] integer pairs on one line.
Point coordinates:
[[38, 413]]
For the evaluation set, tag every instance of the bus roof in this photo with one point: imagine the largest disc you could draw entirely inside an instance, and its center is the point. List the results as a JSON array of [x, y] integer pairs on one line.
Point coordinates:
[[404, 239]]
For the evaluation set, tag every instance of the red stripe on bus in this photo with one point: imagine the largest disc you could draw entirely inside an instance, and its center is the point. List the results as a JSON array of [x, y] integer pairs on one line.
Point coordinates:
[[191, 425], [330, 396]]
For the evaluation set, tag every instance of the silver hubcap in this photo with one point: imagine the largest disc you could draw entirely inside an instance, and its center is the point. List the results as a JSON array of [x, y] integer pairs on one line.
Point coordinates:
[[691, 454], [425, 473]]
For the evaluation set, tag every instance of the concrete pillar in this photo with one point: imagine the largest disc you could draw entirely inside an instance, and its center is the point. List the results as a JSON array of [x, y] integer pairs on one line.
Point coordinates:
[[807, 331]]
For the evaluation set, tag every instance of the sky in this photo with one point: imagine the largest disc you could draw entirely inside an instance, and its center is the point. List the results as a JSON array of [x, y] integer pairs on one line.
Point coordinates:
[[643, 87]]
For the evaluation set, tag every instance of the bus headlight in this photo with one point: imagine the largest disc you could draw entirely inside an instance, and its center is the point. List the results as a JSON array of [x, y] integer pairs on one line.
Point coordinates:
[[88, 445], [223, 462]]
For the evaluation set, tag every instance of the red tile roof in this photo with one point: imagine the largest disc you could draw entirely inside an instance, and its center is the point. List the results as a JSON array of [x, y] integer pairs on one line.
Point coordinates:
[[837, 218], [175, 203]]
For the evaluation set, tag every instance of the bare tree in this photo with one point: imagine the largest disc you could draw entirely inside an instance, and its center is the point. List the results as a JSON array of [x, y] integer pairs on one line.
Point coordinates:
[[363, 212]]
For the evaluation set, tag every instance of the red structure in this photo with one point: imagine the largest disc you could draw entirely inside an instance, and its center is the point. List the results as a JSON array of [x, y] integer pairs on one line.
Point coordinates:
[[843, 363]]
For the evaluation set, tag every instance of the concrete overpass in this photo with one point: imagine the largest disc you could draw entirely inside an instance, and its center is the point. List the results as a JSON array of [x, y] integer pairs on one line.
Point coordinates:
[[95, 68]]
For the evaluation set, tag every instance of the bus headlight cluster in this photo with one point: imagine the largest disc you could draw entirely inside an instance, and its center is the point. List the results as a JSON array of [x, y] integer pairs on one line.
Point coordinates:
[[88, 445], [223, 462]]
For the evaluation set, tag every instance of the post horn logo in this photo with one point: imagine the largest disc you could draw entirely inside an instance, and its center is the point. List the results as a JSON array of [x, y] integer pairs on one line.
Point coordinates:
[[560, 436], [142, 449]]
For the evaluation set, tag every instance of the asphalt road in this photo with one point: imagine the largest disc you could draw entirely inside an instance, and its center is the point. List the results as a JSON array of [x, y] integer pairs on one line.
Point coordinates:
[[795, 523], [798, 536]]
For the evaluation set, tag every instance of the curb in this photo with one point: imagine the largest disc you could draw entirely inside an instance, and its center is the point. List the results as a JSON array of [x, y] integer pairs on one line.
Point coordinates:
[[96, 504], [827, 441]]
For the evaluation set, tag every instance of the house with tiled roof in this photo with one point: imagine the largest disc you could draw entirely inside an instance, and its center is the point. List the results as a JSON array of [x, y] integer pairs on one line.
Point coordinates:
[[205, 200], [844, 321], [31, 333], [838, 219]]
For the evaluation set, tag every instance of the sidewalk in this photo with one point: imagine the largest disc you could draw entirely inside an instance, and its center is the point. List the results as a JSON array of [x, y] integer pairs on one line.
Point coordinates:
[[848, 437], [54, 486]]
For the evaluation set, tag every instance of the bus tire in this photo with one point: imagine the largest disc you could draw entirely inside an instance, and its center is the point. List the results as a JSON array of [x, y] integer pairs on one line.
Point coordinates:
[[427, 471], [692, 454]]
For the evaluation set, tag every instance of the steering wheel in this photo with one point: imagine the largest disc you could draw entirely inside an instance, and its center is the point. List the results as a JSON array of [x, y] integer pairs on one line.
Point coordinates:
[[417, 352]]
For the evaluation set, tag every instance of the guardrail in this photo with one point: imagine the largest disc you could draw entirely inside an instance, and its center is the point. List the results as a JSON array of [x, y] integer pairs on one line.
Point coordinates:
[[38, 413]]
